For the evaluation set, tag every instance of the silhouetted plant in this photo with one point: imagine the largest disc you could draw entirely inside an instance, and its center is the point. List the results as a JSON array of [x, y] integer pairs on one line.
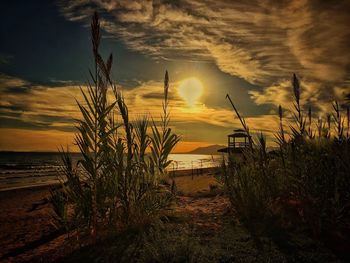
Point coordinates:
[[307, 173], [163, 140], [115, 180], [298, 131]]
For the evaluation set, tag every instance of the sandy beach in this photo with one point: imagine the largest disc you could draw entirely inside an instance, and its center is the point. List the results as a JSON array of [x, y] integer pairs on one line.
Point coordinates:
[[26, 231], [28, 235]]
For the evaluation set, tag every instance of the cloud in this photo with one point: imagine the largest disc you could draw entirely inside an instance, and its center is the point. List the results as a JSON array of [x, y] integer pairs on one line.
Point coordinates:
[[321, 37], [29, 106], [11, 82], [260, 41], [193, 123], [320, 99], [53, 109]]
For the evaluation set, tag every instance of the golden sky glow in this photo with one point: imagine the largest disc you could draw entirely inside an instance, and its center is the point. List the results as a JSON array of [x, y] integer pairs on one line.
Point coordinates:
[[247, 49], [51, 141], [32, 140], [59, 104]]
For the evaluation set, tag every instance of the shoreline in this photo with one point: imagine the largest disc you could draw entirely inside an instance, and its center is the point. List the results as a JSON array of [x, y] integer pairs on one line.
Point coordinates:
[[28, 187], [171, 173], [194, 171]]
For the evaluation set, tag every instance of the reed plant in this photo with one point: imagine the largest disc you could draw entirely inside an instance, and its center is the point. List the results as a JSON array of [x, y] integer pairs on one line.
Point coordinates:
[[308, 173], [115, 183]]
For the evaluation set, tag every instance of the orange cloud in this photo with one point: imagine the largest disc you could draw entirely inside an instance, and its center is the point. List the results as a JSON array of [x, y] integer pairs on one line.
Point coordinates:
[[31, 140]]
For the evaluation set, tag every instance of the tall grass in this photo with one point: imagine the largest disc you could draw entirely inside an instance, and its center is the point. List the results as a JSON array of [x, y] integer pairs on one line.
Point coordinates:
[[307, 180], [115, 183]]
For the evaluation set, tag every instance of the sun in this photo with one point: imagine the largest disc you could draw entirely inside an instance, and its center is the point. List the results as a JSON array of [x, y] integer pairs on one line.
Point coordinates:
[[190, 90]]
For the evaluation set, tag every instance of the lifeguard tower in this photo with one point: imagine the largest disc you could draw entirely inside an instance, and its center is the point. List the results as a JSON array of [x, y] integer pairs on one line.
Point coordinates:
[[236, 141]]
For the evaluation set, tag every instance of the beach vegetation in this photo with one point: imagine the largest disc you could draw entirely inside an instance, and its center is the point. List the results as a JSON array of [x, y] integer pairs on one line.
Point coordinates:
[[304, 182], [116, 182]]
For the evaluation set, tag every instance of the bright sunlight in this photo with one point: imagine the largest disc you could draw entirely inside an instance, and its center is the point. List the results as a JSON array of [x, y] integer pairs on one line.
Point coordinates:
[[190, 90]]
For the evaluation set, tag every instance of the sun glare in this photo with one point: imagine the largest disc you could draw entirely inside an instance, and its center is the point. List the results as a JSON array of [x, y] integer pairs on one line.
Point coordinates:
[[190, 90]]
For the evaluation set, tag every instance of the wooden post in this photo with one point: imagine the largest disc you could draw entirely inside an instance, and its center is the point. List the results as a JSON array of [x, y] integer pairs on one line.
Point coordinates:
[[192, 169]]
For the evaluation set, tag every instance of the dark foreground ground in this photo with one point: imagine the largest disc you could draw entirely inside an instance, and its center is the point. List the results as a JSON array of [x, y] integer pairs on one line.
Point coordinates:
[[200, 228]]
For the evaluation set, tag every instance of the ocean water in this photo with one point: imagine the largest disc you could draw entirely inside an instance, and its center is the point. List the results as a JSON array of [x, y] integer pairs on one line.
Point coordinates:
[[20, 170]]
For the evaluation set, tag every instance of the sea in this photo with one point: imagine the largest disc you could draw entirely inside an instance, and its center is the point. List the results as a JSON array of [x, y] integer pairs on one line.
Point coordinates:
[[28, 169]]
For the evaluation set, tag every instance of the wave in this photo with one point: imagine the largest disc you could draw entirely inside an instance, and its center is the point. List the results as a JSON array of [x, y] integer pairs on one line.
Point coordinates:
[[23, 169]]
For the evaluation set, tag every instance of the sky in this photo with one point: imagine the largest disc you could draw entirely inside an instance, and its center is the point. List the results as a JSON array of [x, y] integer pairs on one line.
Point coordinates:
[[247, 49]]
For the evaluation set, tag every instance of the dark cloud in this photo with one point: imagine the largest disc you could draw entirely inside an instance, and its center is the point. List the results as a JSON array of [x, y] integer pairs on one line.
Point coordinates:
[[15, 107], [52, 119], [18, 123], [27, 105], [11, 114], [157, 95], [17, 90]]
